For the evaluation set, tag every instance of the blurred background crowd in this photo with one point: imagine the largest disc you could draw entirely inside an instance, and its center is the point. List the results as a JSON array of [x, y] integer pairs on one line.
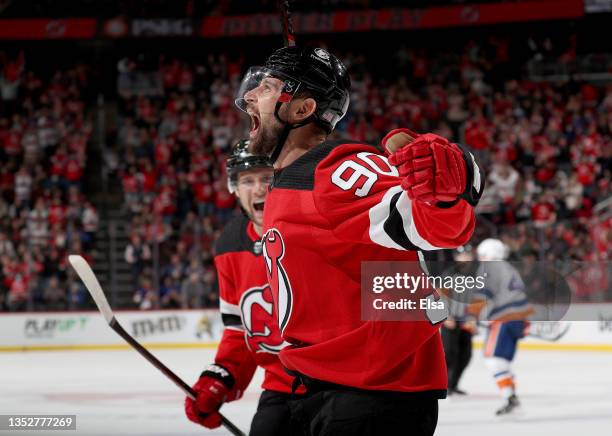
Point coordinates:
[[125, 164]]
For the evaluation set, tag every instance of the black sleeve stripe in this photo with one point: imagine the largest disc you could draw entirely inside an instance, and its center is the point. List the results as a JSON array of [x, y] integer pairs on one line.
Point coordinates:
[[231, 320], [472, 194], [300, 174], [394, 226]]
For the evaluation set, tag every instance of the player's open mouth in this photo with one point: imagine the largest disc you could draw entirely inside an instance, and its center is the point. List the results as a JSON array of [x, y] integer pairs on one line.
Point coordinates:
[[258, 206], [255, 123]]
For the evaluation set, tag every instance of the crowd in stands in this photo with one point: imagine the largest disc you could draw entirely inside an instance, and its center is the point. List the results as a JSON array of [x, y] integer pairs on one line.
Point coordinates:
[[546, 148], [173, 148], [44, 132]]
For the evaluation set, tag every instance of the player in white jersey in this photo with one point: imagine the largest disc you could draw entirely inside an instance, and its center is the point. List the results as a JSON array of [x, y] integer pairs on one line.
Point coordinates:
[[504, 304]]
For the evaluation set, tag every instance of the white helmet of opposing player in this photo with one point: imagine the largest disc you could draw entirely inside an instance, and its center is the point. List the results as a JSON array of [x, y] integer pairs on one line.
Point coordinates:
[[492, 249]]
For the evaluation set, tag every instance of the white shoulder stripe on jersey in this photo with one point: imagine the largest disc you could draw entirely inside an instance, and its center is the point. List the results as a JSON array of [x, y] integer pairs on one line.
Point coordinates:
[[404, 207], [238, 328], [380, 213], [229, 309], [477, 184]]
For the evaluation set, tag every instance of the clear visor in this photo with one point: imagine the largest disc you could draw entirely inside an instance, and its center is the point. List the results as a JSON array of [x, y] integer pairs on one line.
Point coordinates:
[[231, 185], [258, 81]]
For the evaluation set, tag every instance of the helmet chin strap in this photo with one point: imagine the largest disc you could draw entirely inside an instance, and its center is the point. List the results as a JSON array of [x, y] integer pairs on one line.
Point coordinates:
[[287, 128]]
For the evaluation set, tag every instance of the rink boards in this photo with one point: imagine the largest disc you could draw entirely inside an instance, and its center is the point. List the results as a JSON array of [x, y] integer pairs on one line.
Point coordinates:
[[203, 329]]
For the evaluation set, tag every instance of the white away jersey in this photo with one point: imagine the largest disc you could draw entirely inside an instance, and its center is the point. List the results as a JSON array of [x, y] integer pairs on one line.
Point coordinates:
[[504, 290]]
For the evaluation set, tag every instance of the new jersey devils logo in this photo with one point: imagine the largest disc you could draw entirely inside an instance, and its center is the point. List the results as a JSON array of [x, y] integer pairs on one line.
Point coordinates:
[[262, 333], [273, 251]]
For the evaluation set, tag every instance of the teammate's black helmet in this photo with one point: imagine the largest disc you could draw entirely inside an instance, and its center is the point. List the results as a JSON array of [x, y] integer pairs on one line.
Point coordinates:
[[243, 160], [319, 72]]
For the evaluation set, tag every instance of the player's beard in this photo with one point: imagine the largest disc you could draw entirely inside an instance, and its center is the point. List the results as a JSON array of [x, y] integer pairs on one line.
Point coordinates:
[[267, 138]]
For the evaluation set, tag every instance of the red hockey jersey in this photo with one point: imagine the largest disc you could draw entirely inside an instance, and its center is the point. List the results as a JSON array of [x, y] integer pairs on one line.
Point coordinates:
[[251, 336], [334, 207]]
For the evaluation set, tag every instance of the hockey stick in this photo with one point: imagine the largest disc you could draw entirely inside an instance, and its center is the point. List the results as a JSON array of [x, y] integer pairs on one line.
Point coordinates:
[[287, 23], [88, 277], [537, 335], [554, 338]]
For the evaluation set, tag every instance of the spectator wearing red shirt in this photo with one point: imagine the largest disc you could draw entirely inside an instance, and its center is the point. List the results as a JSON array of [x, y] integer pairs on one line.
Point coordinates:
[[164, 205], [478, 134], [204, 195], [585, 173], [546, 170], [224, 201], [163, 153], [586, 208], [73, 172], [201, 161], [148, 175], [170, 74], [58, 162], [57, 211], [57, 237], [185, 127], [602, 235], [12, 143], [543, 212]]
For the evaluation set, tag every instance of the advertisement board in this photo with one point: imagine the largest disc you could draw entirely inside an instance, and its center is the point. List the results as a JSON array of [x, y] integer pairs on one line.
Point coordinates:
[[88, 330], [204, 328]]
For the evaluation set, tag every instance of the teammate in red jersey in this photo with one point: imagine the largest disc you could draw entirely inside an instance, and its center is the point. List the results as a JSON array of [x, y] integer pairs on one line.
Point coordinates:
[[251, 336], [333, 205]]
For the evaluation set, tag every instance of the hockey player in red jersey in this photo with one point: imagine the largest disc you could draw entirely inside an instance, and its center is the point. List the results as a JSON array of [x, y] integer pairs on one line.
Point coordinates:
[[333, 205], [251, 336]]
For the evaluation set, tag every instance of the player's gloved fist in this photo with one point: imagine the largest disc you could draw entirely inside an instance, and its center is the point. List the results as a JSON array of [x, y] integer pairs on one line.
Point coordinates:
[[433, 169], [213, 388]]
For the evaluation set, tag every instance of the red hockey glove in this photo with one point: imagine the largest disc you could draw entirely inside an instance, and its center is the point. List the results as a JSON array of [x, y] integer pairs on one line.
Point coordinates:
[[433, 169], [213, 388]]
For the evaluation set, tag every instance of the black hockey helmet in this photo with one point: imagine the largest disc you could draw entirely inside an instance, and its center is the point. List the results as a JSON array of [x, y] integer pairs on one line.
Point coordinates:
[[319, 72], [314, 70], [243, 160]]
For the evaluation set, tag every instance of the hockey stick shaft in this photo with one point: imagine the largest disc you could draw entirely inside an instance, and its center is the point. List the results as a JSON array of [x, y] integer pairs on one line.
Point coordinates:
[[88, 277], [167, 372], [544, 338], [549, 338], [287, 23], [537, 335]]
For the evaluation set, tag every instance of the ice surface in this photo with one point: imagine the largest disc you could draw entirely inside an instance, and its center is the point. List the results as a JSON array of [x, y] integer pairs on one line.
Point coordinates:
[[119, 393]]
